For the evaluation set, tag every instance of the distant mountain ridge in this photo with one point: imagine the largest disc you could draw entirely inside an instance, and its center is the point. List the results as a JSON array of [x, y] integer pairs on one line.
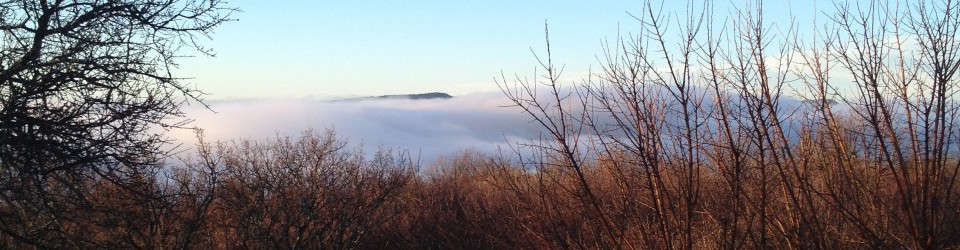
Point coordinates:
[[422, 96]]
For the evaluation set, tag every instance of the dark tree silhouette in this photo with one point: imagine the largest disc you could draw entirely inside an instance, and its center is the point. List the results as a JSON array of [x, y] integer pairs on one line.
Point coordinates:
[[84, 85]]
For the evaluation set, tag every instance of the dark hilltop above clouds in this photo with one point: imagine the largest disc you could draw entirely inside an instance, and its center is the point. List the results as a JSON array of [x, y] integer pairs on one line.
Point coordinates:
[[422, 96]]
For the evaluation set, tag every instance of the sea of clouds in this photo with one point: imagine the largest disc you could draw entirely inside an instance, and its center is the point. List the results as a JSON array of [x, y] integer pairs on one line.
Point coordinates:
[[427, 129]]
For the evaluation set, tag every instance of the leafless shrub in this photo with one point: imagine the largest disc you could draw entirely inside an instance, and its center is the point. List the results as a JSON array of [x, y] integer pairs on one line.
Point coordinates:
[[304, 192]]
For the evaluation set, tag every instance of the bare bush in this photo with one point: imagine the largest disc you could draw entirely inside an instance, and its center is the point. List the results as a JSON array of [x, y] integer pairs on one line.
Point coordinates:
[[304, 192]]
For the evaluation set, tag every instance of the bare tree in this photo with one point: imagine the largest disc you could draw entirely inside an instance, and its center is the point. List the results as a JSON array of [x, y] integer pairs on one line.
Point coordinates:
[[903, 58], [741, 135], [82, 85]]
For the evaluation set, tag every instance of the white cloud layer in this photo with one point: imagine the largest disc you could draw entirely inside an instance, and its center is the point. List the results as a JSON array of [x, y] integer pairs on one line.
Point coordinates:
[[427, 129], [430, 128]]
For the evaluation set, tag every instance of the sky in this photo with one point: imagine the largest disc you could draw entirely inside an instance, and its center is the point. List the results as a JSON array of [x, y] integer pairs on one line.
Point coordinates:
[[278, 63], [331, 49]]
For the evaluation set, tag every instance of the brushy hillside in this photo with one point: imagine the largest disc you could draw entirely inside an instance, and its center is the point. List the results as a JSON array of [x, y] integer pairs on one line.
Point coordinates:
[[682, 140]]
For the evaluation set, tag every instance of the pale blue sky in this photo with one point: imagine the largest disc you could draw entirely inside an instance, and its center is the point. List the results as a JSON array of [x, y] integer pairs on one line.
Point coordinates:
[[328, 49]]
